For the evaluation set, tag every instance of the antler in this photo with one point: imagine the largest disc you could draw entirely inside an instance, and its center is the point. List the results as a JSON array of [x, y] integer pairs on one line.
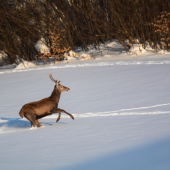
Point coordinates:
[[51, 77]]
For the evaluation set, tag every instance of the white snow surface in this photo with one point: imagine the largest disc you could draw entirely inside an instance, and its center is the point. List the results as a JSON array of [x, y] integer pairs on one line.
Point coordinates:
[[25, 64], [121, 105], [41, 47]]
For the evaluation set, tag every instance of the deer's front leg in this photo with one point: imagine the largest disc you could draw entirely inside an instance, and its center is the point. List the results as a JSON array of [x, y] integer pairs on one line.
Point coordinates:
[[58, 110], [38, 123]]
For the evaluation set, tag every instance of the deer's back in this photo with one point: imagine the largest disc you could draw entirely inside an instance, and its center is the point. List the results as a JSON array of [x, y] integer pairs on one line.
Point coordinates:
[[40, 107]]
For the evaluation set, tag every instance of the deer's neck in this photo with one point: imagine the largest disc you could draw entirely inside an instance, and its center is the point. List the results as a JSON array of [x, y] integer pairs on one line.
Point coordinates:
[[55, 96]]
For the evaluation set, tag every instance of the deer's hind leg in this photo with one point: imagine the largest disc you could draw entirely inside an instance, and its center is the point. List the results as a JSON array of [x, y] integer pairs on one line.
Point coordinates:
[[31, 117]]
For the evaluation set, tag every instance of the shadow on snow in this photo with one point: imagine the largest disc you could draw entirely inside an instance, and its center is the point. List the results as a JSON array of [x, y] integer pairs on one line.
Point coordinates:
[[14, 123], [20, 123]]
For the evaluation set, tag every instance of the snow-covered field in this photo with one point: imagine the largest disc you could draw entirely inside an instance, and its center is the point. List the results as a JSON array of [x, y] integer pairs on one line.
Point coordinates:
[[121, 105]]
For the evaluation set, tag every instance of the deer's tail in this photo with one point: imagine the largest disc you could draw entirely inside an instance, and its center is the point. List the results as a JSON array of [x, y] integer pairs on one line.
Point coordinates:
[[21, 113]]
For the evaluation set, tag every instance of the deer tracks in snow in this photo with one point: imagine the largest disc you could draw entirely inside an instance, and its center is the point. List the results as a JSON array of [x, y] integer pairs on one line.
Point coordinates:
[[89, 64], [19, 124], [121, 112]]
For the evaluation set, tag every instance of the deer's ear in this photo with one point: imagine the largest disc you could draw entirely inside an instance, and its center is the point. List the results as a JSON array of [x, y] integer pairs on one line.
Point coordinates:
[[57, 85]]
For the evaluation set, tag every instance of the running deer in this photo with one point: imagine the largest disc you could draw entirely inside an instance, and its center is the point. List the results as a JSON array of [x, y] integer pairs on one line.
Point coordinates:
[[45, 107]]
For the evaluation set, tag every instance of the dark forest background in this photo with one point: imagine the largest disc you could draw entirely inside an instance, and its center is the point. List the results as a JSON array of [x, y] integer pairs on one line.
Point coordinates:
[[68, 24]]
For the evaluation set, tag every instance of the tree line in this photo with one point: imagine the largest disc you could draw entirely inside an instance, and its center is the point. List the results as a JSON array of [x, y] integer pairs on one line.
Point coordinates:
[[78, 23]]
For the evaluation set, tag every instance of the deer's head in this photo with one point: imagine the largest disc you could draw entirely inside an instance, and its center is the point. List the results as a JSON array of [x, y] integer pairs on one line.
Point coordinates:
[[58, 86]]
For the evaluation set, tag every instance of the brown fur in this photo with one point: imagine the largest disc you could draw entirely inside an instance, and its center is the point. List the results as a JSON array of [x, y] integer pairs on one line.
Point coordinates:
[[45, 107]]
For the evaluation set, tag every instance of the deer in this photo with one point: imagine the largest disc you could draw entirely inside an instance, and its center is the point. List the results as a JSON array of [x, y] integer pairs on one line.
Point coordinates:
[[45, 107]]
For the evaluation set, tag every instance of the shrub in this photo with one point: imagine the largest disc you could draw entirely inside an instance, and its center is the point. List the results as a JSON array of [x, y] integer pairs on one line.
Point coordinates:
[[55, 48]]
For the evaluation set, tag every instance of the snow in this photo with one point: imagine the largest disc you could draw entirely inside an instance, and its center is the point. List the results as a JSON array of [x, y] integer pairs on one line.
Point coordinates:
[[84, 56], [25, 64], [121, 105], [73, 54], [41, 47], [137, 49], [2, 55]]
